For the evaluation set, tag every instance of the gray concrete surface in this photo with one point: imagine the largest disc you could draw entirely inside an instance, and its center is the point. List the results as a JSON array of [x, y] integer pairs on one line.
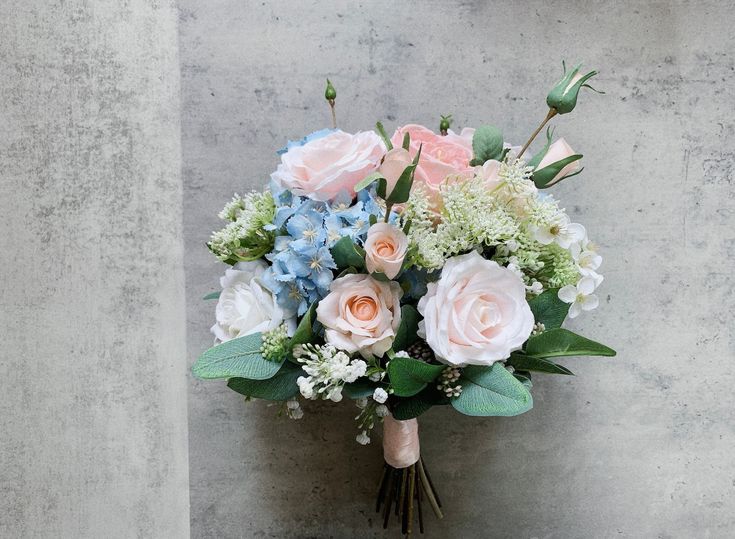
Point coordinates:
[[93, 405], [638, 446]]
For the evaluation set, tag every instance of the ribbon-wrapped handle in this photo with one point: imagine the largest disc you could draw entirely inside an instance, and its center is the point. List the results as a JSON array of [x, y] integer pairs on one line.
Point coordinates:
[[400, 442]]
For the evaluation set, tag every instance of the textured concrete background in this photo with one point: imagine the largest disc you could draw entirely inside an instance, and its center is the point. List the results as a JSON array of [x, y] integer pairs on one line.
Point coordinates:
[[636, 446], [93, 406]]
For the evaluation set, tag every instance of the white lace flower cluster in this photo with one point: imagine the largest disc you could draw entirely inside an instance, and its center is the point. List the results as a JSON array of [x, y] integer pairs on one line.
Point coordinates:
[[529, 232], [244, 238], [372, 411], [328, 371]]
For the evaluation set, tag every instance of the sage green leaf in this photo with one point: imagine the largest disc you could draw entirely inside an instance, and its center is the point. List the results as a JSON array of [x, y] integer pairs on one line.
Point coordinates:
[[408, 408], [359, 389], [346, 253], [548, 309], [562, 342], [237, 357], [282, 386], [525, 380], [523, 362], [491, 391], [368, 181], [487, 143], [305, 330], [212, 295], [406, 333], [409, 376], [544, 176]]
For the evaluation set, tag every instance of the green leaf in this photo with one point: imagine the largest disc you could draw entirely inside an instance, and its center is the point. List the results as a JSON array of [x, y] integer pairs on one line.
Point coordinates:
[[238, 357], [402, 190], [282, 386], [491, 391], [406, 333], [346, 253], [361, 388], [212, 295], [409, 376], [487, 143], [537, 158], [562, 342], [380, 276], [381, 131], [408, 408], [407, 141], [305, 330], [525, 380], [548, 309], [523, 362], [368, 181]]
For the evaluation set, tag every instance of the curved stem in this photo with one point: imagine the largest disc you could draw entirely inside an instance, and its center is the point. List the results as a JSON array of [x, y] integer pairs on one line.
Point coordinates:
[[549, 116]]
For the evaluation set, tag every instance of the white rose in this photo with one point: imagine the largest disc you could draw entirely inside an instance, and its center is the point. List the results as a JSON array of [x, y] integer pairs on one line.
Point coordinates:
[[245, 305], [476, 313]]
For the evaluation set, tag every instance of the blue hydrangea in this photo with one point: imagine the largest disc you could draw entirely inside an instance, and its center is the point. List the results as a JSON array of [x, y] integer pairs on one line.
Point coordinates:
[[302, 264]]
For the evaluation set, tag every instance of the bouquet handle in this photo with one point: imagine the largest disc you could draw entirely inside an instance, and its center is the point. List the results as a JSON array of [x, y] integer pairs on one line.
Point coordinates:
[[405, 480]]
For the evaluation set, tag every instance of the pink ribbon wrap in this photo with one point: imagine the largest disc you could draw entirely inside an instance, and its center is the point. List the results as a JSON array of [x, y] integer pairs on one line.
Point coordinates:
[[400, 442]]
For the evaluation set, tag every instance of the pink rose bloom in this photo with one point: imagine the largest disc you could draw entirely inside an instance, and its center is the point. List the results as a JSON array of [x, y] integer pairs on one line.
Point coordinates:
[[322, 168], [361, 314], [559, 150], [476, 313], [385, 249], [490, 172], [441, 156]]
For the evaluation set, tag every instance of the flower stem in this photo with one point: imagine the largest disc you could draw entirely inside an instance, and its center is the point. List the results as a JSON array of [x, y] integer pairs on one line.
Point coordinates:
[[549, 116], [334, 114]]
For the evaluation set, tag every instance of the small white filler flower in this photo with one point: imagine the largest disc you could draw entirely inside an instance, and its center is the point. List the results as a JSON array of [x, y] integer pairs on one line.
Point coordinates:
[[580, 297]]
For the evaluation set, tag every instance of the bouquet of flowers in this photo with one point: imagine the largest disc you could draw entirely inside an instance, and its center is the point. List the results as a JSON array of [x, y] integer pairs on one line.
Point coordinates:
[[404, 272]]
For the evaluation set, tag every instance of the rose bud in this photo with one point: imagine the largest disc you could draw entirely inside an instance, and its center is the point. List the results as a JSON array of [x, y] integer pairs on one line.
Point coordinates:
[[393, 165], [563, 96], [385, 249], [559, 162]]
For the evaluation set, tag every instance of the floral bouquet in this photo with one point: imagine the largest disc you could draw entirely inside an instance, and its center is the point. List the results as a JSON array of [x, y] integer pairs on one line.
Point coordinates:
[[404, 272]]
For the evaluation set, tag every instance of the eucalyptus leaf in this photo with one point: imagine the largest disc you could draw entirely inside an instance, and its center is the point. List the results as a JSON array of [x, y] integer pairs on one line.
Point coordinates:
[[346, 253], [406, 333], [212, 295], [282, 386], [359, 389], [562, 342], [491, 391], [548, 309], [237, 357], [487, 143], [409, 376], [408, 408]]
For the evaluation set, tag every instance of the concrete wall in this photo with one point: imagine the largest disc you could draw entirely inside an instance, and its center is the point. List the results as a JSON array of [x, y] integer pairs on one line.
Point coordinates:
[[636, 446], [93, 406]]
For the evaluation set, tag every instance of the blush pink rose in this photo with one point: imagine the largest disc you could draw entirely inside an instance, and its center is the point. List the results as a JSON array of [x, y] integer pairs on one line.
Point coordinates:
[[441, 156], [476, 313], [322, 168], [560, 149], [393, 165], [361, 314], [385, 249]]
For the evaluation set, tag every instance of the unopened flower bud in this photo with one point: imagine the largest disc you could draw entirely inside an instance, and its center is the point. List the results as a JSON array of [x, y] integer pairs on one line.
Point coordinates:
[[445, 123], [330, 94], [563, 97]]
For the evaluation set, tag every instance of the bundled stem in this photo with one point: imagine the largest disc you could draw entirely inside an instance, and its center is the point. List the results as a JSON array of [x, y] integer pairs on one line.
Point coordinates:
[[402, 489]]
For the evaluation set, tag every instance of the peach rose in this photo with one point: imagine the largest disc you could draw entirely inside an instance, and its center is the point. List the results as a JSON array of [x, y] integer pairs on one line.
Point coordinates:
[[441, 156], [361, 314], [394, 163], [559, 150], [323, 167], [476, 313], [385, 249]]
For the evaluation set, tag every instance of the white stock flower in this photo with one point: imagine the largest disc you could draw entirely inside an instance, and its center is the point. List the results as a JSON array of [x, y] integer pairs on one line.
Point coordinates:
[[245, 305], [580, 297], [363, 438]]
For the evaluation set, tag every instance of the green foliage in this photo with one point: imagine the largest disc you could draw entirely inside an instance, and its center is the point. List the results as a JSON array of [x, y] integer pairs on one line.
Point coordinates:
[[544, 176], [282, 386], [346, 253], [562, 342], [411, 407], [305, 330], [409, 376], [237, 357], [381, 131], [523, 362], [360, 388], [548, 309], [487, 143], [406, 333], [491, 391], [212, 295], [330, 94]]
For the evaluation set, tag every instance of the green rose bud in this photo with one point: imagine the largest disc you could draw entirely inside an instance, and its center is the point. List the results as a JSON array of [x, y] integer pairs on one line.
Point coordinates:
[[330, 94], [445, 124], [563, 96]]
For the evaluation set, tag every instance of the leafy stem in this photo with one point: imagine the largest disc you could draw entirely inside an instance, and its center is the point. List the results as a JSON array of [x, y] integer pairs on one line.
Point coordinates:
[[549, 116]]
